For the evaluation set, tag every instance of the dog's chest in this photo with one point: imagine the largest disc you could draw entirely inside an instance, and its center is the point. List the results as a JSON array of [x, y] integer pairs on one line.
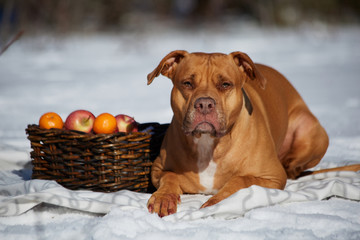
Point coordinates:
[[205, 163]]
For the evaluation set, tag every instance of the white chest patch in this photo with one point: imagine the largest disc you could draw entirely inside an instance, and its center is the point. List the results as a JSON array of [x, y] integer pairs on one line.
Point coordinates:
[[206, 164]]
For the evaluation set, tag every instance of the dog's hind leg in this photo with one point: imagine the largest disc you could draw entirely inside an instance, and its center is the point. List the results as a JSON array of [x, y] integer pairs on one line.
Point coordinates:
[[305, 143]]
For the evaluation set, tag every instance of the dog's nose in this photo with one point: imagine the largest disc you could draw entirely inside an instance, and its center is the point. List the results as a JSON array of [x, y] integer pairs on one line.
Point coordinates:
[[204, 105]]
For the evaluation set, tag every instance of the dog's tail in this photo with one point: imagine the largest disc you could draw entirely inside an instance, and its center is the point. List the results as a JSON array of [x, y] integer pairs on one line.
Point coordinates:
[[352, 168]]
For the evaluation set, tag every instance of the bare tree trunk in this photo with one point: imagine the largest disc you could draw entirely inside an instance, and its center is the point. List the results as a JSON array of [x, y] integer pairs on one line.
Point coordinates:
[[14, 39]]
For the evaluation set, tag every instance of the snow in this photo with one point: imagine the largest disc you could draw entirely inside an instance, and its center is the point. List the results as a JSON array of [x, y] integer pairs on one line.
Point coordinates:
[[107, 73]]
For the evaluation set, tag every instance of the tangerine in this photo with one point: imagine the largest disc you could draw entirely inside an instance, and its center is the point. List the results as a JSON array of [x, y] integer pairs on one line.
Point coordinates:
[[105, 123], [51, 120]]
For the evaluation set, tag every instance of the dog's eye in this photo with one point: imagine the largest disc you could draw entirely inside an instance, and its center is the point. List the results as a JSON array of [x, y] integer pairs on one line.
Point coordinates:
[[187, 84], [226, 85]]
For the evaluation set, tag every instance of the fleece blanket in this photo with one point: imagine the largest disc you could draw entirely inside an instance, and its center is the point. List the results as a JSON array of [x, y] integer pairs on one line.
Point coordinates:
[[17, 197]]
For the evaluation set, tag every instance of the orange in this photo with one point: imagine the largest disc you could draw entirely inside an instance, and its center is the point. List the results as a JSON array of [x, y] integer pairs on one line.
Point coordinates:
[[51, 120], [105, 123]]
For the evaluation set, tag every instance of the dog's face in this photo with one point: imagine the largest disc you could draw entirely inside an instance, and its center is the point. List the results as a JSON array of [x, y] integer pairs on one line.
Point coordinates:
[[207, 94]]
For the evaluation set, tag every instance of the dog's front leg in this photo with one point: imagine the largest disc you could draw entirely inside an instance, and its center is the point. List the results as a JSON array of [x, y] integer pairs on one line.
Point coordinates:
[[165, 200], [240, 182]]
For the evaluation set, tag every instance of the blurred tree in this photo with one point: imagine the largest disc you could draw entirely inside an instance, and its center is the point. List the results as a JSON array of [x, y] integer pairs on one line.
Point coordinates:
[[7, 18], [63, 16]]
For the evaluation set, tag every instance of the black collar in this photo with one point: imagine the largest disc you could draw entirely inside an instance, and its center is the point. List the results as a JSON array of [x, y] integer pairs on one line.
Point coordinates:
[[248, 104]]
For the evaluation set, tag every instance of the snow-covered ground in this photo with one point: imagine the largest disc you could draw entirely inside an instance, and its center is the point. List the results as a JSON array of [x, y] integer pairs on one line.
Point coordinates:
[[107, 73]]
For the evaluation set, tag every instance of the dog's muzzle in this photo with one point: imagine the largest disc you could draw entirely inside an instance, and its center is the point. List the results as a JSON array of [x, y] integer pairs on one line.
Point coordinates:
[[205, 108], [203, 117]]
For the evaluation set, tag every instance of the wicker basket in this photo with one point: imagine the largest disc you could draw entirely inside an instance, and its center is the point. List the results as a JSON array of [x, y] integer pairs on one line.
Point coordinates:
[[98, 162]]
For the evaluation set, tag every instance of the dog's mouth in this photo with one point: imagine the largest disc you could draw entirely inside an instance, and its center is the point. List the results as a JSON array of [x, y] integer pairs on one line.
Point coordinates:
[[204, 127], [197, 126]]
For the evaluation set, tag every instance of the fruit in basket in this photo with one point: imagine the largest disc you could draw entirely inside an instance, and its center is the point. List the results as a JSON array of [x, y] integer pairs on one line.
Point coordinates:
[[126, 124], [105, 123], [80, 120], [51, 120]]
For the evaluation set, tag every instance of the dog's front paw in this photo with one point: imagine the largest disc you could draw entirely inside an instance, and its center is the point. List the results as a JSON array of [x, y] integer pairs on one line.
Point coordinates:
[[212, 201], [163, 204]]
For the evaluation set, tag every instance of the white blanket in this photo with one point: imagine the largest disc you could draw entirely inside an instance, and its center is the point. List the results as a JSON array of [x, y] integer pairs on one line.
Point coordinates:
[[17, 196]]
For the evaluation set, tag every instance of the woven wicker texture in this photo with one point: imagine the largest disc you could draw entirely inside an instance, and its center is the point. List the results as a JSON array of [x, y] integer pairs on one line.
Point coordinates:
[[98, 162]]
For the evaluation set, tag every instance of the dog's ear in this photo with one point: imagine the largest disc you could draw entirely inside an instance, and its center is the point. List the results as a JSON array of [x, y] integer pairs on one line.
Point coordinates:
[[167, 65], [247, 65]]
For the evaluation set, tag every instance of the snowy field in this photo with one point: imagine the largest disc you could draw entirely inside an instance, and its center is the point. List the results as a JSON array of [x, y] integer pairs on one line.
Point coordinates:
[[107, 73]]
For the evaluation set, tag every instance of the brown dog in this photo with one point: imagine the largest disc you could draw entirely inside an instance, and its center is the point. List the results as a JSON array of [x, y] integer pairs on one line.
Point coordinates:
[[235, 124]]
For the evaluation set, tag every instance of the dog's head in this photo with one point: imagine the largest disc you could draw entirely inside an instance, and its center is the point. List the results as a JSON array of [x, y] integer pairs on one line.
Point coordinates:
[[208, 94]]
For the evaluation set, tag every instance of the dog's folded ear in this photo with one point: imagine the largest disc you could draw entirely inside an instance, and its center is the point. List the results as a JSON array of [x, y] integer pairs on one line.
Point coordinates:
[[247, 65], [167, 65]]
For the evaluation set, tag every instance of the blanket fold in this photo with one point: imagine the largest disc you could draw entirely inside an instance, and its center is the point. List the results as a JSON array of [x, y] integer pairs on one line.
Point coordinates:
[[18, 197]]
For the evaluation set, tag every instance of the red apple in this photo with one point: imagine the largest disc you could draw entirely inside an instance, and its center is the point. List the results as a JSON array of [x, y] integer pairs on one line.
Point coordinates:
[[80, 120], [126, 124]]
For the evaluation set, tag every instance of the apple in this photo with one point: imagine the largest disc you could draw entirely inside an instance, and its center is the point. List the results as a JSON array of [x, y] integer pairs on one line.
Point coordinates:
[[80, 120], [126, 124]]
